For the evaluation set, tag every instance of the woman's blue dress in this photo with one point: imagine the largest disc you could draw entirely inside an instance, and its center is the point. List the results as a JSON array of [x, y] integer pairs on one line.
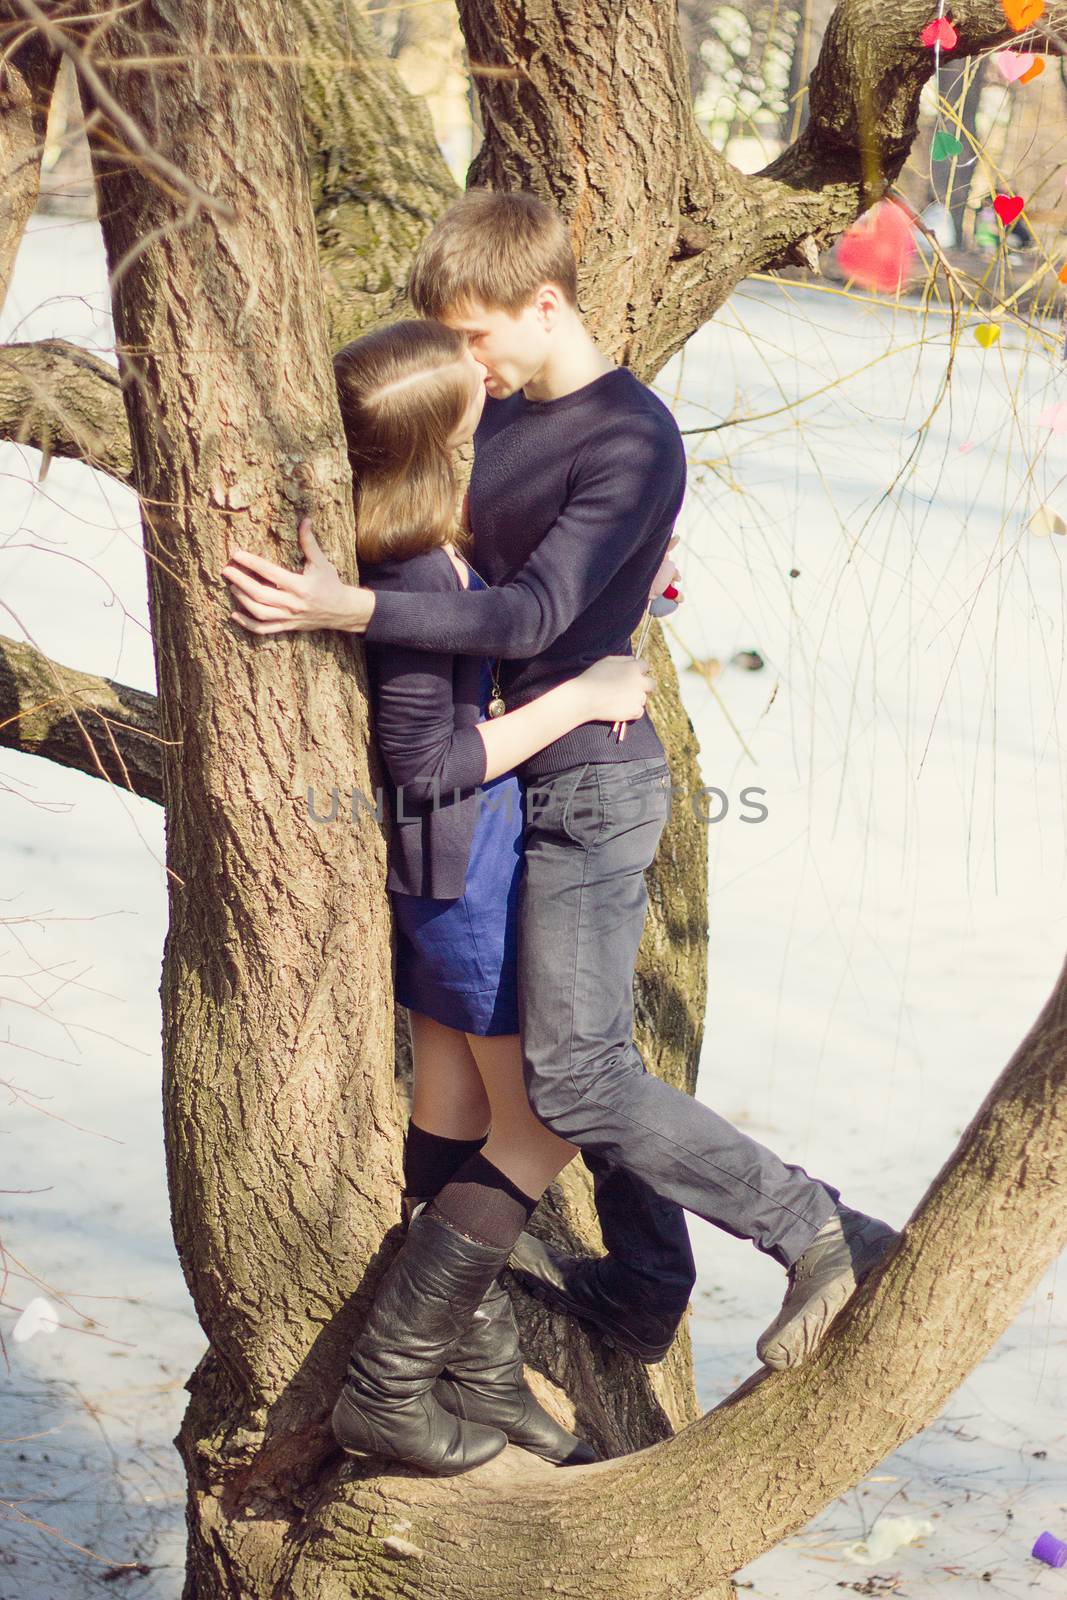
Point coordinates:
[[457, 960]]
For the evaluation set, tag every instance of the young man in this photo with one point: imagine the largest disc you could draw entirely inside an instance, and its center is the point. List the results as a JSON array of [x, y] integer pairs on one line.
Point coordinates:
[[578, 478]]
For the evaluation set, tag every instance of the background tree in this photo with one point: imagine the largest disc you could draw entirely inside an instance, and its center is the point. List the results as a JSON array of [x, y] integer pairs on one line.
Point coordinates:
[[234, 268]]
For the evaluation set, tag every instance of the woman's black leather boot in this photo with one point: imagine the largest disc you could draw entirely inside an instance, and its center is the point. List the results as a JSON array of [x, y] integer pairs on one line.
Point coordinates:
[[483, 1379], [423, 1305]]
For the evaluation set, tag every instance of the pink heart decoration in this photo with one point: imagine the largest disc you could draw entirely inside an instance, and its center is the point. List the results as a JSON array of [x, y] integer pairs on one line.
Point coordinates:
[[1055, 417], [877, 249], [1013, 63], [940, 31], [1008, 207]]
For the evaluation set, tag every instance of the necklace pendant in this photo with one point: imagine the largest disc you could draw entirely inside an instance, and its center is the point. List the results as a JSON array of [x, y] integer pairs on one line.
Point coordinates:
[[496, 707]]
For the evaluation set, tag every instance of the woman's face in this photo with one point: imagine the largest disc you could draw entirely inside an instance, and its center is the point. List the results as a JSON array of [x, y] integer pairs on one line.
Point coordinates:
[[475, 373]]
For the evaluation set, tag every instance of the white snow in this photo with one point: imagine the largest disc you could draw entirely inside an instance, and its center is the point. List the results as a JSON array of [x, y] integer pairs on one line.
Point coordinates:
[[879, 944]]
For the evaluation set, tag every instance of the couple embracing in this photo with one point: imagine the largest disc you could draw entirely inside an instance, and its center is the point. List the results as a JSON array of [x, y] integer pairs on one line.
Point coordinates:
[[530, 790]]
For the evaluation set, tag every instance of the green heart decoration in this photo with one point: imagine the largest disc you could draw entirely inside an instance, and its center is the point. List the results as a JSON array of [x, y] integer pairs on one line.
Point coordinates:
[[945, 144]]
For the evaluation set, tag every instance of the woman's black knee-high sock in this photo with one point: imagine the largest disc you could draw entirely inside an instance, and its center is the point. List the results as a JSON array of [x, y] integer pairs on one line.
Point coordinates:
[[430, 1159], [482, 1202]]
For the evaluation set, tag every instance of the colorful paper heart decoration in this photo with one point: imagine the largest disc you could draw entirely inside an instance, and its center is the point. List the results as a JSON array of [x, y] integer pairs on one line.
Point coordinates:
[[1054, 417], [945, 145], [1013, 63], [1045, 521], [1062, 274], [876, 251], [1008, 207], [939, 31], [1035, 71], [987, 333], [1021, 13]]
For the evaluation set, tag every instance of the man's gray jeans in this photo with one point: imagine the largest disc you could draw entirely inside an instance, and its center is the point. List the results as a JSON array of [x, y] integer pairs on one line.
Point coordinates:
[[590, 832]]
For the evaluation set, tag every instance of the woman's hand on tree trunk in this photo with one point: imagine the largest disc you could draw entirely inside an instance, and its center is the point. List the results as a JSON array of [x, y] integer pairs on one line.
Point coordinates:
[[274, 599]]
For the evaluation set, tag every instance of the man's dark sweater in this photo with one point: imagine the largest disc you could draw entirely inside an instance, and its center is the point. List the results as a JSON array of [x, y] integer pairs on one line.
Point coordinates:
[[572, 503]]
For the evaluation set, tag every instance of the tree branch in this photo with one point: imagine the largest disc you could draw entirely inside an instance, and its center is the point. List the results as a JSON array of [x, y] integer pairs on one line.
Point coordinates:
[[864, 111], [863, 119], [95, 725], [64, 401], [679, 1518], [127, 127], [379, 182], [665, 227]]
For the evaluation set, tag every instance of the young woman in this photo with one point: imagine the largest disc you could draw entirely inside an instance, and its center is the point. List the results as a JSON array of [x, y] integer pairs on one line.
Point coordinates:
[[430, 1383]]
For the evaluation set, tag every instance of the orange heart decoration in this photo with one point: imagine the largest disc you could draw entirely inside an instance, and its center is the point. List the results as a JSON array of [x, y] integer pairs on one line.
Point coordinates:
[[1035, 71], [1021, 13]]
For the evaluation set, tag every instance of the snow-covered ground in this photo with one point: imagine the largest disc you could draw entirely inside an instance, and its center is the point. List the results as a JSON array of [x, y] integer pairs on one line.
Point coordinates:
[[879, 943]]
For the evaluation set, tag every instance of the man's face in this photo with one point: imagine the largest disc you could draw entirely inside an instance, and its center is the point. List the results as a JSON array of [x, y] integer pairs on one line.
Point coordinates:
[[511, 346]]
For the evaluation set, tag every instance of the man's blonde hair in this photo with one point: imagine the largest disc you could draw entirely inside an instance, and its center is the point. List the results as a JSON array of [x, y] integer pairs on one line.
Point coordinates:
[[496, 248]]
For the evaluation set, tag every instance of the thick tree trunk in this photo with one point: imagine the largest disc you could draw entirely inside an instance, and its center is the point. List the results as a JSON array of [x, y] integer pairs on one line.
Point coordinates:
[[28, 69], [378, 178], [276, 988], [275, 980]]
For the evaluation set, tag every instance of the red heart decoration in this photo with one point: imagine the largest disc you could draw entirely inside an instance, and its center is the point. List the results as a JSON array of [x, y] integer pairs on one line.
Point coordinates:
[[1008, 207], [876, 251], [940, 31]]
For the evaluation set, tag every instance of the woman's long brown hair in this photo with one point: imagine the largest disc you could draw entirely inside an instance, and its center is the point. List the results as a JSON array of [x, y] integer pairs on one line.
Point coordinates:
[[403, 392]]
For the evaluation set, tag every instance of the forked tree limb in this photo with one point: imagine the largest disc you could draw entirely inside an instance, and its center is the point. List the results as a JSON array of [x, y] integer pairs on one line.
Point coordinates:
[[599, 117], [675, 1520]]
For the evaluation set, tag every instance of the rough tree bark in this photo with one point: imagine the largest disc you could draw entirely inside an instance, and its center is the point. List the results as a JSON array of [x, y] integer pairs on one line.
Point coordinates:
[[28, 67], [672, 1521], [79, 720], [65, 401], [378, 181], [277, 954], [378, 178], [276, 961]]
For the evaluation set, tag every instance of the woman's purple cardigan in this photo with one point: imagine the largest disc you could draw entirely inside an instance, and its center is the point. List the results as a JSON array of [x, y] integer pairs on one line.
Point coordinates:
[[425, 705]]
